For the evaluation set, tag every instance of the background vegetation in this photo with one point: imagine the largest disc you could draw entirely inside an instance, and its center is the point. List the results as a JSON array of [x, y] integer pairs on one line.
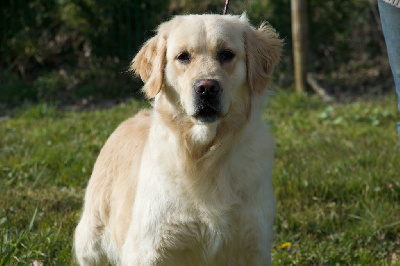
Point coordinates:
[[63, 51]]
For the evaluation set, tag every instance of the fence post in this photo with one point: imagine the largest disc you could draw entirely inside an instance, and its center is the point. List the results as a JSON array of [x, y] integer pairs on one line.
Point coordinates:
[[299, 36]]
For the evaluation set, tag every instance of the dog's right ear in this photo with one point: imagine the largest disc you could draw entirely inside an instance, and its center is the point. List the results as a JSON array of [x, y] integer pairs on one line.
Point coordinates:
[[149, 63]]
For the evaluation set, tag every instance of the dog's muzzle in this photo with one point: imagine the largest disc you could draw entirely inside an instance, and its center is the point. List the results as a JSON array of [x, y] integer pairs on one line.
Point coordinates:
[[207, 100]]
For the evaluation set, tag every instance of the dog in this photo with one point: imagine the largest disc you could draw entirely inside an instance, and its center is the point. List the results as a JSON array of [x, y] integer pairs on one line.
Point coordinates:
[[189, 181]]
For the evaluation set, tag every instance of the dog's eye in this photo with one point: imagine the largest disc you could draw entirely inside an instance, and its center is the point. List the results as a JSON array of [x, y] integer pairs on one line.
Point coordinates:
[[183, 57], [225, 56]]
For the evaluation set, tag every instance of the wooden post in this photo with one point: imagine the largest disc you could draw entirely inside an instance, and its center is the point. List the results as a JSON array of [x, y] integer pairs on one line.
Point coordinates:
[[299, 36]]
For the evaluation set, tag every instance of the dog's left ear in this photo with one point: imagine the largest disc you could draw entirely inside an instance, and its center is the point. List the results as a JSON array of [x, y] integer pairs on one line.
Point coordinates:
[[263, 48], [150, 61]]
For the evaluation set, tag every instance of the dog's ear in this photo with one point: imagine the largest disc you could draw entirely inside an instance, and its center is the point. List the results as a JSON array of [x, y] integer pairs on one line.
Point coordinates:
[[149, 63], [263, 48]]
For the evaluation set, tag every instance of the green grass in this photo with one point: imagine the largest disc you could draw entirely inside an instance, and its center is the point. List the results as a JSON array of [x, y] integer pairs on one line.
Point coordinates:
[[336, 177]]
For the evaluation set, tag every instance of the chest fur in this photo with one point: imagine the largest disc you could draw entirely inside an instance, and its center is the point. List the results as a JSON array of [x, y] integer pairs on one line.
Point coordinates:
[[219, 209]]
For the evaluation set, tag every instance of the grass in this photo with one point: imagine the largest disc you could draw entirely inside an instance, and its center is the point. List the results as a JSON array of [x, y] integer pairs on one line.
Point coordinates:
[[336, 177]]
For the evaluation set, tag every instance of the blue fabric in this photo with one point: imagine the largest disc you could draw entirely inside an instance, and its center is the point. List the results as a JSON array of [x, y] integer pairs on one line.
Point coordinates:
[[390, 18]]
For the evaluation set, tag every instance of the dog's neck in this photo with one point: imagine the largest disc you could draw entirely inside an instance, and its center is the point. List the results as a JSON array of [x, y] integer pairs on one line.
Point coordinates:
[[200, 161], [197, 140], [193, 140]]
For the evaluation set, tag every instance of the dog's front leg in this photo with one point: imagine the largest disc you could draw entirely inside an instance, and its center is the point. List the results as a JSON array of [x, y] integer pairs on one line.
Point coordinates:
[[143, 253], [141, 245]]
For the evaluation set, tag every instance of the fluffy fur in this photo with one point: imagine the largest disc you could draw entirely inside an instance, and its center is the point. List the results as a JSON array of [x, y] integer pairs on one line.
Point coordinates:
[[168, 189]]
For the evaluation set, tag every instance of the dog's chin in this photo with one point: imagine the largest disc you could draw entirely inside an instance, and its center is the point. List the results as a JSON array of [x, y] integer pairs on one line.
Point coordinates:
[[203, 133], [205, 125]]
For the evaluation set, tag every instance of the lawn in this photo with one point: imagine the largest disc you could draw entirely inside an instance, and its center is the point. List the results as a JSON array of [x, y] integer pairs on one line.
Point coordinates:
[[336, 177]]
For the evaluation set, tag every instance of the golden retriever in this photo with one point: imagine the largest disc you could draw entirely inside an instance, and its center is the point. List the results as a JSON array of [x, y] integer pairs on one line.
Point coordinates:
[[189, 182]]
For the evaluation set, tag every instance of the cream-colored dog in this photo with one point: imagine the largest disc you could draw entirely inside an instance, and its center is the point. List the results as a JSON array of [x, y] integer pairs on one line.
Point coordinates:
[[189, 182]]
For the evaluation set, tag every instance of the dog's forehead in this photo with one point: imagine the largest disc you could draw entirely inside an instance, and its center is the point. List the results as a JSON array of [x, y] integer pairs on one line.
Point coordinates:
[[210, 30]]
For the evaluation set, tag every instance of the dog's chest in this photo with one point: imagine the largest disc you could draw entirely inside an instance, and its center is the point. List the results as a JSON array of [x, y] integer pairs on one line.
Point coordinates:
[[213, 215], [215, 240]]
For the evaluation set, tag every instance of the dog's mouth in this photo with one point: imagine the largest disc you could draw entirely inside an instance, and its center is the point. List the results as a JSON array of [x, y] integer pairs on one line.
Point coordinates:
[[207, 112]]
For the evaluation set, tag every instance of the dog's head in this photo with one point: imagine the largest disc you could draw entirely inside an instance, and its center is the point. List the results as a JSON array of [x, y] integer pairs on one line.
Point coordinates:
[[207, 65]]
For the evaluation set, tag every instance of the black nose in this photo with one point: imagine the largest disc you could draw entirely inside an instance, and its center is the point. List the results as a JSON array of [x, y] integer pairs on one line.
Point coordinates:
[[206, 88]]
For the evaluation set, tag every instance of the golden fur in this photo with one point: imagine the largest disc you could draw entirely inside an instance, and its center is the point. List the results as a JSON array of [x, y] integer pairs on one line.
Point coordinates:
[[167, 189]]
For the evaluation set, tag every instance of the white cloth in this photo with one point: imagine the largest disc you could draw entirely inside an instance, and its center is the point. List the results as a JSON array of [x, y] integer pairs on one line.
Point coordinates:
[[395, 3]]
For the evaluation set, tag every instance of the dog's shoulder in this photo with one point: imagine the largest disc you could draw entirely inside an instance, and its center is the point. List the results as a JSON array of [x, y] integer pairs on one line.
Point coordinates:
[[132, 131], [123, 146], [137, 126]]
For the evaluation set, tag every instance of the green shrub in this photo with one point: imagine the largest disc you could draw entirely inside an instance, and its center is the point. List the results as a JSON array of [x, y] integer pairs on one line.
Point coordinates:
[[48, 37]]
